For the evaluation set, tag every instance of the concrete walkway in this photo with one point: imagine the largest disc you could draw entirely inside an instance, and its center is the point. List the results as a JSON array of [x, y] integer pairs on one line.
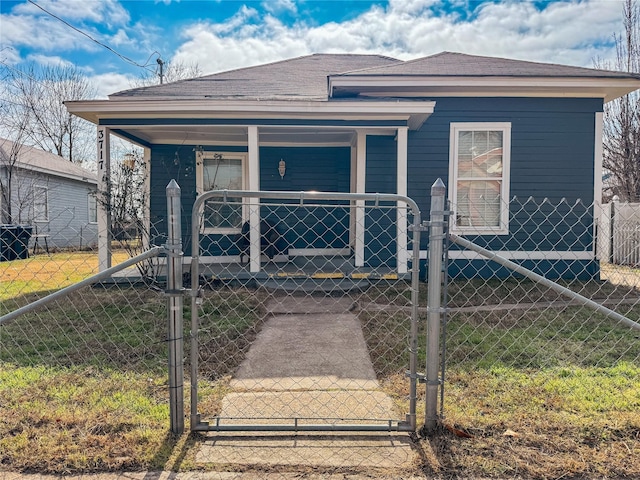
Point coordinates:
[[310, 362]]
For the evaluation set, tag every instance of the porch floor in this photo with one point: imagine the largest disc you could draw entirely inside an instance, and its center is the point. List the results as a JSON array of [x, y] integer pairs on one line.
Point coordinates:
[[324, 274]]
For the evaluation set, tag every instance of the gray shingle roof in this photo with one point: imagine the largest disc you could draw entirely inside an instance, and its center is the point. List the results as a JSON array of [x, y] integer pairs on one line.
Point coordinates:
[[302, 78], [31, 158], [459, 64]]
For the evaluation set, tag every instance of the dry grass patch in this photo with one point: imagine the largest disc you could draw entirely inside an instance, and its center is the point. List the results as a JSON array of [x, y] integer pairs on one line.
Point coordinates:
[[57, 420], [83, 381], [544, 391]]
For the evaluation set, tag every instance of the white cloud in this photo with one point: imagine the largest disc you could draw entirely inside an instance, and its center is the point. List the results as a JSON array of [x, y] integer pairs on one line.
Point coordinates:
[[411, 7], [277, 6], [9, 55], [564, 32], [120, 38], [109, 83], [29, 27], [110, 12], [49, 60], [42, 33]]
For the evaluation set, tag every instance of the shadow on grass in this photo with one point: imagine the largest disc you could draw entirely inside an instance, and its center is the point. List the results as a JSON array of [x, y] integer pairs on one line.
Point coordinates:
[[175, 451]]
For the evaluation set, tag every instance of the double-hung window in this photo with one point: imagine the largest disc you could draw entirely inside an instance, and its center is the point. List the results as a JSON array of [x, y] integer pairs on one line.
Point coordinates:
[[92, 206], [479, 177], [222, 171]]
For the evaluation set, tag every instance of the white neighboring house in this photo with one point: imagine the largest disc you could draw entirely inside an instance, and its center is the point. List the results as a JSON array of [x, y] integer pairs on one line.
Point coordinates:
[[55, 197]]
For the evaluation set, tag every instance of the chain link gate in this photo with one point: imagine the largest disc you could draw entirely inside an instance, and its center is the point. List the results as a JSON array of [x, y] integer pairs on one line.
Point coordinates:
[[304, 306]]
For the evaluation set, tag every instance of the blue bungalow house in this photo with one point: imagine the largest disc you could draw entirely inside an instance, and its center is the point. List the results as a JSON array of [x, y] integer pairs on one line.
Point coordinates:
[[491, 128]]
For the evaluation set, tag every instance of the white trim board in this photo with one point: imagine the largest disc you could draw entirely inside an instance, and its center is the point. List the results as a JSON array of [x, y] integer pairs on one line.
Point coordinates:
[[518, 255], [315, 252]]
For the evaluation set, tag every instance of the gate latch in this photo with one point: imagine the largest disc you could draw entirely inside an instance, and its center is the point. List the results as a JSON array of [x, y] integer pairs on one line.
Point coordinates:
[[423, 227], [421, 377]]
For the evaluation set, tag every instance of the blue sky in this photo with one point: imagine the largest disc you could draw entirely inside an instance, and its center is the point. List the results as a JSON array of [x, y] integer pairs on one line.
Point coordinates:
[[223, 34]]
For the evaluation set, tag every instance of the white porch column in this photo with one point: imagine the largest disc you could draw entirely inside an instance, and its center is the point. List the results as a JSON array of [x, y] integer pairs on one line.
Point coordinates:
[[597, 176], [361, 160], [254, 209], [352, 189], [401, 235], [104, 198], [146, 213]]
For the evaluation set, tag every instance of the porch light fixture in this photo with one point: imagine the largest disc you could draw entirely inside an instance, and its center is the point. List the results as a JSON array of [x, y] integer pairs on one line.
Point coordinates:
[[282, 168]]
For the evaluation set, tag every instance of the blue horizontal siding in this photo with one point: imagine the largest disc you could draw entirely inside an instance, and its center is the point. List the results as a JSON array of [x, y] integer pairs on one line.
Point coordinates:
[[551, 269], [380, 224], [552, 149], [552, 152], [308, 168]]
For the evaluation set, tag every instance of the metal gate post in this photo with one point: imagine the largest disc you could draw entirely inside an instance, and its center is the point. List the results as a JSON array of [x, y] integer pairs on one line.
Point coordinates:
[[174, 292], [434, 296]]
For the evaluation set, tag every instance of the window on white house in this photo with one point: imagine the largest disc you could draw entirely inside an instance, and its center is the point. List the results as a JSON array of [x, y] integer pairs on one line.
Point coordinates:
[[40, 204], [222, 171], [93, 207], [479, 177]]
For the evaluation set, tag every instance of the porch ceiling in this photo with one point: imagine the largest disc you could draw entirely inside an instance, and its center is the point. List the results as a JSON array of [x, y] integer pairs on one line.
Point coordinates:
[[237, 135], [225, 122]]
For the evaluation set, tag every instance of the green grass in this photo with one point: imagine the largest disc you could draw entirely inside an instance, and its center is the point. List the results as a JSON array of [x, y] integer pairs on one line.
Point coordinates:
[[83, 383], [563, 384], [537, 338], [104, 328], [543, 423], [43, 273], [75, 419]]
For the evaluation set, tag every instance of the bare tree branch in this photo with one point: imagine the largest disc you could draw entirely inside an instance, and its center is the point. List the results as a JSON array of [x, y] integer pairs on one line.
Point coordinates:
[[621, 133], [38, 94]]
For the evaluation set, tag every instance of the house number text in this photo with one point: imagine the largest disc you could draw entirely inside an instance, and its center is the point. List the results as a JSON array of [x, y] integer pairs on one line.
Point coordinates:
[[100, 149]]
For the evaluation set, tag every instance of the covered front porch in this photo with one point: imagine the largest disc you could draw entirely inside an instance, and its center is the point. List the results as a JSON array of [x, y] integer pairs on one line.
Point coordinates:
[[339, 147]]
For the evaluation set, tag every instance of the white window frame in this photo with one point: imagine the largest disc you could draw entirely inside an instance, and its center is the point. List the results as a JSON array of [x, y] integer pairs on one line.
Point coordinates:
[[40, 192], [201, 156], [92, 204], [505, 128]]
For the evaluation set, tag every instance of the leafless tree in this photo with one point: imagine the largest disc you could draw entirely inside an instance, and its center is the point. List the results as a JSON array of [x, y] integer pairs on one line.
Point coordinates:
[[21, 189], [9, 155], [38, 95], [14, 121], [621, 133], [171, 72], [128, 199]]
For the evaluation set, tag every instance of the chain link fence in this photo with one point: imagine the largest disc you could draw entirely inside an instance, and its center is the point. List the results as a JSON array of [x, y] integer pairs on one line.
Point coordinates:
[[302, 323], [323, 313], [533, 371], [83, 378], [306, 320]]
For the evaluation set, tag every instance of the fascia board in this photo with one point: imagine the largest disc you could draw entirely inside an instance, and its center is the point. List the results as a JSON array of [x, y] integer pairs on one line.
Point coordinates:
[[607, 88], [93, 110]]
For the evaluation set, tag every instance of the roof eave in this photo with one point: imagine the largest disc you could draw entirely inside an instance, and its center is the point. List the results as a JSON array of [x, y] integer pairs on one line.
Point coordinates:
[[606, 88], [94, 110], [66, 175]]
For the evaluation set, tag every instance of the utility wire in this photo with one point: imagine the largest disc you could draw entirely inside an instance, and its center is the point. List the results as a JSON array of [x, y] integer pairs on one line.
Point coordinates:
[[21, 72], [123, 57]]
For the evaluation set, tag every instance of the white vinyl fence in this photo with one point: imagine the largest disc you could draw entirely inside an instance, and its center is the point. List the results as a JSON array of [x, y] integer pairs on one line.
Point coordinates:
[[619, 234]]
